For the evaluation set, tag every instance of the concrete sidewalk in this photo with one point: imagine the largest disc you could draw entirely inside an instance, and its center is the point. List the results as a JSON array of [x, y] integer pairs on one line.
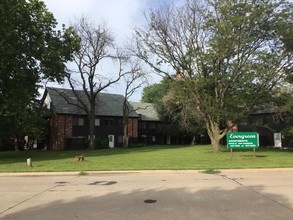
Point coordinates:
[[232, 194]]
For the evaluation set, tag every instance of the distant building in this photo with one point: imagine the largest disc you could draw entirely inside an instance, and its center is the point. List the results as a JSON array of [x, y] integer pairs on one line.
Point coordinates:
[[68, 128], [150, 126], [267, 122]]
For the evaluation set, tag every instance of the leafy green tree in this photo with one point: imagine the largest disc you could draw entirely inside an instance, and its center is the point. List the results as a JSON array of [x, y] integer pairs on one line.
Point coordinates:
[[31, 121], [167, 97], [230, 55], [283, 105], [31, 50], [179, 112], [155, 92]]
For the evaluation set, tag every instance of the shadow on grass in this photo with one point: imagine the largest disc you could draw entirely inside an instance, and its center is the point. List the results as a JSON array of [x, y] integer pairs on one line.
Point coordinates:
[[99, 202], [256, 156]]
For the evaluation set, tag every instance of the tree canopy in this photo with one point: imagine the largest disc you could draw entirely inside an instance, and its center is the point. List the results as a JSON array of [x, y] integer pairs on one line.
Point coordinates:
[[31, 50], [167, 97], [229, 55], [154, 93]]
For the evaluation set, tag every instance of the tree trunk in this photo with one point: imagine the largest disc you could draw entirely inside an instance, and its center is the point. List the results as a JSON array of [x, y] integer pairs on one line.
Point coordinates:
[[16, 148], [215, 142], [215, 135], [92, 129], [91, 135], [125, 141], [125, 124], [193, 140], [125, 134]]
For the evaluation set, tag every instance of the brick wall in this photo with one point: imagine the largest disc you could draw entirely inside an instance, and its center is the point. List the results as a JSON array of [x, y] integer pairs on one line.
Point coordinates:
[[132, 127], [61, 128]]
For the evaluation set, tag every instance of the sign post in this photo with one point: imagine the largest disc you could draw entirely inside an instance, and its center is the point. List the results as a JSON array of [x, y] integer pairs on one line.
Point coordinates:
[[242, 140]]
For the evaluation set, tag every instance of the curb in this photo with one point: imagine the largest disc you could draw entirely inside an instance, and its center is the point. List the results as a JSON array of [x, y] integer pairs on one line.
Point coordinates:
[[78, 173]]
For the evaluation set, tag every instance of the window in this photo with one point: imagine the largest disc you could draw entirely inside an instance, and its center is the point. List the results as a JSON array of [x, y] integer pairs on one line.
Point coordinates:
[[78, 121], [258, 120], [88, 137], [154, 138], [265, 119], [152, 125], [81, 122], [120, 139], [109, 122], [97, 122], [288, 118], [276, 118], [120, 121], [143, 125]]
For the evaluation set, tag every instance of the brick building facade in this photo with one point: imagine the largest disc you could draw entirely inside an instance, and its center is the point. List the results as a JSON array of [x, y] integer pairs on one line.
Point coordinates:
[[68, 127], [60, 129]]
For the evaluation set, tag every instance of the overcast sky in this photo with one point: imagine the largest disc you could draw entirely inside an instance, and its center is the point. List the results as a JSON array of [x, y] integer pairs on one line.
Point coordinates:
[[120, 15]]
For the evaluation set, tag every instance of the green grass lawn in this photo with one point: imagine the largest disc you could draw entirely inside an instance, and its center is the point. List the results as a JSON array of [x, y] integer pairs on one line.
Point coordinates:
[[144, 158]]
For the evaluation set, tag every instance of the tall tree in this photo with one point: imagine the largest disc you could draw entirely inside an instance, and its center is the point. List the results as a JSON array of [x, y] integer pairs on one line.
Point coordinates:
[[97, 48], [229, 54], [180, 113], [134, 79], [31, 50], [167, 97]]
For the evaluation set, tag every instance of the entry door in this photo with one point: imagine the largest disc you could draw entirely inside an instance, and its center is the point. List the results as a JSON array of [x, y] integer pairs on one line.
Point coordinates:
[[111, 140], [168, 139], [278, 139]]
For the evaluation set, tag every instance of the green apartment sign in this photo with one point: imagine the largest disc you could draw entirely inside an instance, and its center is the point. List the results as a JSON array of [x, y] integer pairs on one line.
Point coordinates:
[[242, 140]]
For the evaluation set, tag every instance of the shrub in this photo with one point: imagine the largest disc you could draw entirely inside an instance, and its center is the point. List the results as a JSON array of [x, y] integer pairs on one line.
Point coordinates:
[[287, 132]]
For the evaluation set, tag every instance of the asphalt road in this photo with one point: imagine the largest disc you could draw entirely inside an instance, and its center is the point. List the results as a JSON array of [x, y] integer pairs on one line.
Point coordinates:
[[231, 194]]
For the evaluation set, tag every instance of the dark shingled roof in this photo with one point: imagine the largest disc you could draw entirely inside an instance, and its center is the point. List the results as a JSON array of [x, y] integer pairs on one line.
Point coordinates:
[[147, 111], [106, 104]]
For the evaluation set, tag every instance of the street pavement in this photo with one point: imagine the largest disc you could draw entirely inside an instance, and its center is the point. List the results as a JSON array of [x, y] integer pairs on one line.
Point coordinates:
[[231, 194]]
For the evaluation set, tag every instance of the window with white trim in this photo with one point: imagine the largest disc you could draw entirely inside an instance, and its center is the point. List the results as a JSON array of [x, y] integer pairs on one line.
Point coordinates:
[[97, 122]]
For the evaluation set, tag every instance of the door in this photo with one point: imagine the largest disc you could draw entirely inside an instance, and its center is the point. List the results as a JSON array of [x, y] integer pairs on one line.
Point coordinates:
[[168, 139], [111, 140], [278, 139]]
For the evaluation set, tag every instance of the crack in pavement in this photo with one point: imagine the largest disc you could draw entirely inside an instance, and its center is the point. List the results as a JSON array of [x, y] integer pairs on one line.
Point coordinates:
[[252, 190], [31, 197]]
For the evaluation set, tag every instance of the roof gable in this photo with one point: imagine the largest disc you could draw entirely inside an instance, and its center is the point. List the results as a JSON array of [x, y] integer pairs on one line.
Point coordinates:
[[147, 111], [65, 102]]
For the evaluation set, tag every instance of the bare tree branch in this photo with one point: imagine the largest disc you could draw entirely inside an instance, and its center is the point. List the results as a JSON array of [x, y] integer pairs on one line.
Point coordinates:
[[97, 46], [134, 78]]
